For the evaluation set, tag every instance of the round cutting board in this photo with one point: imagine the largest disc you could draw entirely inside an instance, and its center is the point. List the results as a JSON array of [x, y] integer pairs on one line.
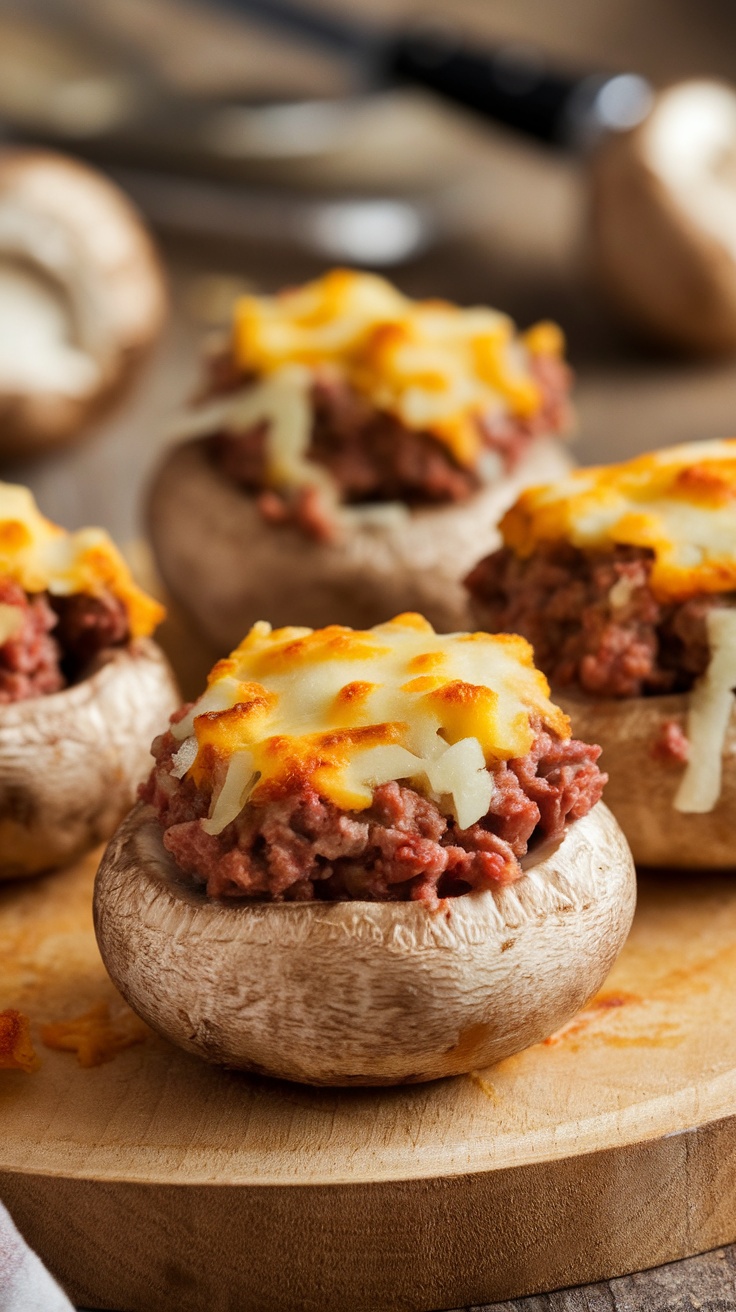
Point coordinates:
[[153, 1182]]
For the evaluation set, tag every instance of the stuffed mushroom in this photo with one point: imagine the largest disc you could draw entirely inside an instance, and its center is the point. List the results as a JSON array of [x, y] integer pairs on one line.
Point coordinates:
[[350, 451], [623, 577], [366, 858], [82, 687]]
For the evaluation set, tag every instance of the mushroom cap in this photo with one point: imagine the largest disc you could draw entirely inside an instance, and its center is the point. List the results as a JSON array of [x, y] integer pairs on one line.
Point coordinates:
[[70, 762], [641, 787], [363, 992], [228, 568], [80, 275], [664, 218]]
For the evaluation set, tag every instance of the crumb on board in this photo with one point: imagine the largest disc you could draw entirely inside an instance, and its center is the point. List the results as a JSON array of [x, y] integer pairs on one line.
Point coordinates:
[[485, 1086], [672, 745], [96, 1037], [16, 1046]]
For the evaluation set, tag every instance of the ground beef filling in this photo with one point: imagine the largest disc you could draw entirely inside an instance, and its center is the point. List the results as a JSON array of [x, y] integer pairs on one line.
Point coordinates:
[[373, 457], [593, 619], [57, 639], [300, 847]]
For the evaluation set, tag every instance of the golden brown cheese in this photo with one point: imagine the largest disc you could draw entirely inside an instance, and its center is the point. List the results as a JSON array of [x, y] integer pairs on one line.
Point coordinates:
[[40, 557], [680, 503], [345, 710], [436, 367]]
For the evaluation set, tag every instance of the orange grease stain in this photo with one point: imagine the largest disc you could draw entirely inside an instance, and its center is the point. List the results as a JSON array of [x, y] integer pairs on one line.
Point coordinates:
[[16, 1047], [467, 1049], [96, 1037], [598, 1005]]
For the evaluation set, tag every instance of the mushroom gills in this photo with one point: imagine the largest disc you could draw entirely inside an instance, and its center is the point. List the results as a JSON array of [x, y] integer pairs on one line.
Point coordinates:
[[39, 346]]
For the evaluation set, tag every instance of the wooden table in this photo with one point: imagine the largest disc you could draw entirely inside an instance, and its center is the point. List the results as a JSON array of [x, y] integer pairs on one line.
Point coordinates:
[[707, 1283]]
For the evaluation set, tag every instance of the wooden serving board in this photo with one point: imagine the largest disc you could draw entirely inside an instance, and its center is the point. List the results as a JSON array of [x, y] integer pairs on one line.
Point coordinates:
[[154, 1182]]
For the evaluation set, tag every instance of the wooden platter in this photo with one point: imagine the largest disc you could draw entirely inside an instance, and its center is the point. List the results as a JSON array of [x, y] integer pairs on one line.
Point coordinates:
[[154, 1182]]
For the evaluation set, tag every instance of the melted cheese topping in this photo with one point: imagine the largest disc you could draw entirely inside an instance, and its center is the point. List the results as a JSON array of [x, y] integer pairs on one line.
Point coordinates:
[[711, 707], [680, 503], [436, 367], [283, 402], [11, 622], [345, 710], [41, 557]]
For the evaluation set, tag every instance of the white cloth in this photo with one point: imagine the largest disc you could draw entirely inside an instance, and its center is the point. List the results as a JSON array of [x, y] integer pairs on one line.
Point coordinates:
[[25, 1284]]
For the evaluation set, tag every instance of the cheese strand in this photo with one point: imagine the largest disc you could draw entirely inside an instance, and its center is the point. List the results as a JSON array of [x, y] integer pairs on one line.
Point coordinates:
[[711, 707]]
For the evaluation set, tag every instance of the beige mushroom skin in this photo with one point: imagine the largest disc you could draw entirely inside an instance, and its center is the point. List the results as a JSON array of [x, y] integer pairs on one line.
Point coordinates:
[[363, 992], [641, 787], [663, 219], [82, 292], [70, 762], [228, 568]]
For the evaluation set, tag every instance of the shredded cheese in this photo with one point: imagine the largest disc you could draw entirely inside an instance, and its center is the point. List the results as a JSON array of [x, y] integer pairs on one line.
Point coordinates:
[[436, 367], [711, 707], [680, 503], [282, 403], [39, 556], [345, 710]]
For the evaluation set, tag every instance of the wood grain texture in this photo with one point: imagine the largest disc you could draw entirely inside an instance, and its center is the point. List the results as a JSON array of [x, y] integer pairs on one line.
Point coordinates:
[[393, 1247], [700, 1284], [610, 1149]]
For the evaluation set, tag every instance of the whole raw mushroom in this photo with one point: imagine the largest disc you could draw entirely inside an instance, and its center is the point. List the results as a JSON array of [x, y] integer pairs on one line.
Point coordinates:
[[664, 219], [82, 298]]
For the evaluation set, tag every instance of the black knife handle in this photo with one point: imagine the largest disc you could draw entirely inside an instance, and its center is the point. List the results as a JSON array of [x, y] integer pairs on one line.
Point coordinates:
[[515, 86]]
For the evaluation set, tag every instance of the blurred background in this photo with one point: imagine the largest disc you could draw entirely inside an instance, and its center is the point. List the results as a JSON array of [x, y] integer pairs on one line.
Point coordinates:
[[260, 158]]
